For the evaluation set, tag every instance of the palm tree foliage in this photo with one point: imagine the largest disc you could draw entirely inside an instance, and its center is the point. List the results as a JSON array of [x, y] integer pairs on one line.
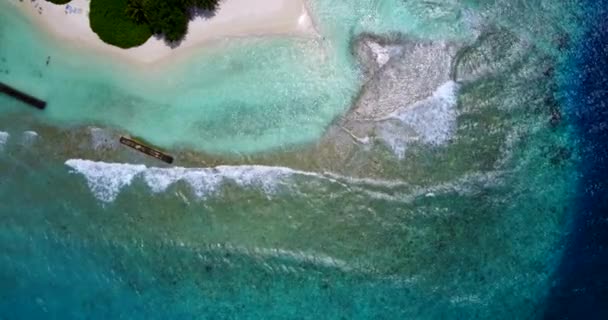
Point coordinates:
[[167, 17], [129, 23], [135, 10]]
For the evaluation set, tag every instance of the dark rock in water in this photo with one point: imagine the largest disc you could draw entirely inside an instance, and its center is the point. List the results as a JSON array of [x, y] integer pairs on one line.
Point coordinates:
[[553, 105], [324, 284], [556, 118], [560, 155], [562, 42]]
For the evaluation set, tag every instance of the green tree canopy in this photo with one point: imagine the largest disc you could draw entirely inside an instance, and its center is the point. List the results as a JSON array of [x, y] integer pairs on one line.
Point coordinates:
[[129, 23]]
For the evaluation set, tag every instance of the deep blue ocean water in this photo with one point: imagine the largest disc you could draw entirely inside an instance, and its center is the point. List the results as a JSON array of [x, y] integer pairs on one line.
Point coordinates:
[[581, 287]]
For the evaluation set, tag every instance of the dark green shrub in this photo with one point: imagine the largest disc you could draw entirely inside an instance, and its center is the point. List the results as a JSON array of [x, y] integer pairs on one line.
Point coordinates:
[[130, 23], [109, 20], [167, 17], [136, 11]]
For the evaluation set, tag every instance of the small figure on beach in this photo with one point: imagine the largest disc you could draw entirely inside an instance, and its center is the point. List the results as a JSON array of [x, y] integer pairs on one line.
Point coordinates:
[[48, 60]]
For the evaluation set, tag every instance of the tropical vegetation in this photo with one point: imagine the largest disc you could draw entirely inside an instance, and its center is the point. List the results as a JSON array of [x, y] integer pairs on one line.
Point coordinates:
[[130, 23]]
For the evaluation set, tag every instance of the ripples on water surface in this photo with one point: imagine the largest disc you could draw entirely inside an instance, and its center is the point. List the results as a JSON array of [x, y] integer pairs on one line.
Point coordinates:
[[418, 161]]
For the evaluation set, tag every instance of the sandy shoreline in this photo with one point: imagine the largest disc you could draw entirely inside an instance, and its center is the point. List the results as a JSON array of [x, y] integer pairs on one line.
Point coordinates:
[[235, 18]]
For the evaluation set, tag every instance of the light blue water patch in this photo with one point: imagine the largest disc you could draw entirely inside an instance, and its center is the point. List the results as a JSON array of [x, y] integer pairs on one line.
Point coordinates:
[[243, 96], [438, 20], [240, 95]]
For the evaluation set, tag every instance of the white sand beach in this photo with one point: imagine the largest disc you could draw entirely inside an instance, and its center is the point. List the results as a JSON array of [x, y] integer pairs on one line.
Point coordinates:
[[235, 18]]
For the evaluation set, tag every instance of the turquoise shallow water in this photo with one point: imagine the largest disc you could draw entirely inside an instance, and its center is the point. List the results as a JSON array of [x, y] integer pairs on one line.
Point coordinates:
[[456, 207], [214, 101]]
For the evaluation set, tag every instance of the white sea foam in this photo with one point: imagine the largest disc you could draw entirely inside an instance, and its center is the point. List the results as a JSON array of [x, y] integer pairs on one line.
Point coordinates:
[[299, 257], [465, 185], [369, 182], [266, 177], [431, 121], [265, 256], [28, 137], [206, 181], [3, 139], [466, 299], [105, 179], [203, 182], [159, 179]]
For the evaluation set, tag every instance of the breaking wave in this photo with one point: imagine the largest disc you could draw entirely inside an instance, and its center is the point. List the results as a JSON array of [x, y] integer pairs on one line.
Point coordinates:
[[106, 180]]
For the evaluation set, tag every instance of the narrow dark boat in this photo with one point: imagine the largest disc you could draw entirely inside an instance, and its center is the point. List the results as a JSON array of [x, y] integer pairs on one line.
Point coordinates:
[[139, 146]]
